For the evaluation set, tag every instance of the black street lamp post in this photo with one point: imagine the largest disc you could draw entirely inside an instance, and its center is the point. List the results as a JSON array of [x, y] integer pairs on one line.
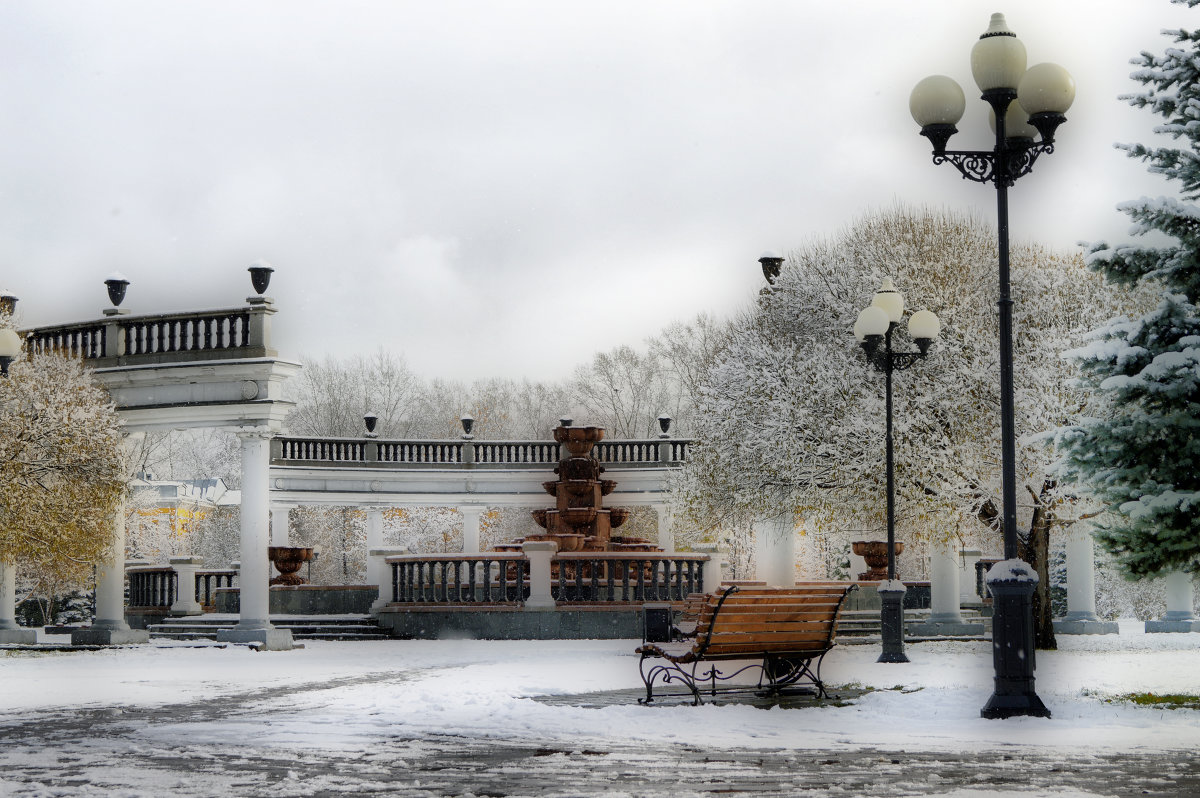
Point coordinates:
[[873, 329], [1025, 103]]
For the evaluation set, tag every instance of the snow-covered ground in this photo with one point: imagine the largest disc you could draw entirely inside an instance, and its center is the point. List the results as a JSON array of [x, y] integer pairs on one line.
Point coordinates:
[[185, 711]]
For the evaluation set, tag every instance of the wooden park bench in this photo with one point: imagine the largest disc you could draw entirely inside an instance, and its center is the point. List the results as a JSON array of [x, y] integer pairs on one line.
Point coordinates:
[[784, 633]]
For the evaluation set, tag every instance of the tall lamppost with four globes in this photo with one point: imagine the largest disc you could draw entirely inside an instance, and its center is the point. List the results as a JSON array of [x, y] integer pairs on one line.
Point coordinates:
[[873, 329], [1025, 103]]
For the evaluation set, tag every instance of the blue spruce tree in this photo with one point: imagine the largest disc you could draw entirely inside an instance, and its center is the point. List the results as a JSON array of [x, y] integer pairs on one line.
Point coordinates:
[[1142, 457]]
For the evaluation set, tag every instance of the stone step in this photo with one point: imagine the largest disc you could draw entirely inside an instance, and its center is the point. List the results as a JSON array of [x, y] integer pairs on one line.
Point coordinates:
[[312, 628]]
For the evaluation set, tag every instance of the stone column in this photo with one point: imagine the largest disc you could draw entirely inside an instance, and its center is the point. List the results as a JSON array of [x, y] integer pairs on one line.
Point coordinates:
[[280, 529], [666, 529], [254, 625], [1179, 616], [378, 572], [10, 632], [945, 617], [775, 551], [966, 577], [1081, 618], [539, 553], [109, 626], [471, 514]]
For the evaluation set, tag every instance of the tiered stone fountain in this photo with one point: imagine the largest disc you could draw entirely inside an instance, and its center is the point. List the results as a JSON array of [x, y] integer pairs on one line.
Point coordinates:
[[579, 521]]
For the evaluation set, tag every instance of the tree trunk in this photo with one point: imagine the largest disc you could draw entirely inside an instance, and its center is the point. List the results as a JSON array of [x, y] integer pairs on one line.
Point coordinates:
[[1034, 548]]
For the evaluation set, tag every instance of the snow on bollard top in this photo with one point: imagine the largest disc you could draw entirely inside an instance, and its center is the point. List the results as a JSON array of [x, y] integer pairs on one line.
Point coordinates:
[[1014, 570], [891, 586]]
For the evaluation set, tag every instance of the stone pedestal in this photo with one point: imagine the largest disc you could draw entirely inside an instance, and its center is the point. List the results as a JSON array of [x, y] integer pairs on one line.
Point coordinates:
[[9, 631], [185, 597], [945, 617], [1081, 618], [254, 626], [1179, 616], [713, 571], [891, 619], [539, 553], [1011, 583]]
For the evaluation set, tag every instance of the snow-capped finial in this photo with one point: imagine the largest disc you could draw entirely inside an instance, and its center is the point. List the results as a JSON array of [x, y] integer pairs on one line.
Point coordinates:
[[997, 27], [260, 278], [116, 283], [772, 264], [8, 301]]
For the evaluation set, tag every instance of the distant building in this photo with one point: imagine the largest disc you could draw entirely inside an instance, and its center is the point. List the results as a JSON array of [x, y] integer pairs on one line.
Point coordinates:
[[163, 512]]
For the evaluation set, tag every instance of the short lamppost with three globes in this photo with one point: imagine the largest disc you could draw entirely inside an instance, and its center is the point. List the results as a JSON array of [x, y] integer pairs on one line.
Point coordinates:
[[873, 329]]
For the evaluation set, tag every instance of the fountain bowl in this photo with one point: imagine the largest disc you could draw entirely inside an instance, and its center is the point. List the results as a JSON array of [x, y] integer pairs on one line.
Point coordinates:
[[578, 440], [577, 516]]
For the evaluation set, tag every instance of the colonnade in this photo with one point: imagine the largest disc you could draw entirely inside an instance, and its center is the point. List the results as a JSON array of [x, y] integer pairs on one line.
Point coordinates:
[[952, 584]]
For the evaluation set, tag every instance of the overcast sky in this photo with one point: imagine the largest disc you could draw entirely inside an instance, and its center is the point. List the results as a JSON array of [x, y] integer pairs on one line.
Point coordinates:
[[504, 188]]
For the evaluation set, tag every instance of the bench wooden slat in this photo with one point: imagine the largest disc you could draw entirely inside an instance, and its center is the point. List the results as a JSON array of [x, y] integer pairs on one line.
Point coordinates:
[[768, 627]]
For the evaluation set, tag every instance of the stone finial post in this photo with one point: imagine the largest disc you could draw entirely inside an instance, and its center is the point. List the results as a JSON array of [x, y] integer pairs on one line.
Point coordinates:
[[539, 553], [185, 596], [379, 572], [712, 573]]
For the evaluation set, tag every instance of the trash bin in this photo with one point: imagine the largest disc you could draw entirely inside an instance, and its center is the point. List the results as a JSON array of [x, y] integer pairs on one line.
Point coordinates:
[[656, 623]]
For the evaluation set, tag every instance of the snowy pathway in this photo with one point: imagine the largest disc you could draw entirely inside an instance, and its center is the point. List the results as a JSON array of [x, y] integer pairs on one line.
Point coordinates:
[[437, 718]]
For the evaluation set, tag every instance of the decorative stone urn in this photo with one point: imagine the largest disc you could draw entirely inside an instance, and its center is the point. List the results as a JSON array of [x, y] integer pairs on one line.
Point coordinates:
[[287, 560], [875, 554]]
